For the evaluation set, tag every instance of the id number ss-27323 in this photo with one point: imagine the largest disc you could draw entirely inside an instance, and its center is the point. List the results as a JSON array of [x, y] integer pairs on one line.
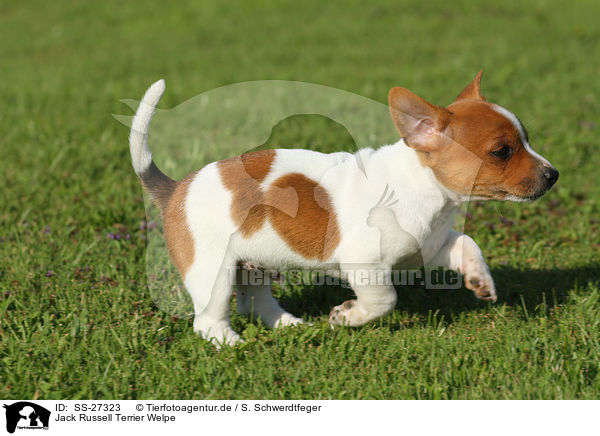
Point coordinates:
[[97, 407]]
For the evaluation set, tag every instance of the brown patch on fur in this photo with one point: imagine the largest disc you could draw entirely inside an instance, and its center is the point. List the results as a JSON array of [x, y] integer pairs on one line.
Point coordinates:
[[298, 208], [178, 237], [257, 164], [242, 175], [301, 212]]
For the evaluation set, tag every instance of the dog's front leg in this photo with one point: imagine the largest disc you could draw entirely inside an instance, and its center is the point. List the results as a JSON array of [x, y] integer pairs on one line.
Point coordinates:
[[375, 297], [462, 254]]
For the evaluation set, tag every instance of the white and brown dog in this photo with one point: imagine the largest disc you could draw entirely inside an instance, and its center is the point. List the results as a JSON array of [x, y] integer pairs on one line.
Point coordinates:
[[300, 208]]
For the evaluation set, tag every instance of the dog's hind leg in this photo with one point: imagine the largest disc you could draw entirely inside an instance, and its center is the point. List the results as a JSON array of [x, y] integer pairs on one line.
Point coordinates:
[[210, 285], [257, 299]]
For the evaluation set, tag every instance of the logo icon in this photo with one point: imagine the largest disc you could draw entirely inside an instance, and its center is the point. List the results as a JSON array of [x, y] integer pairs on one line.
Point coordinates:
[[26, 415]]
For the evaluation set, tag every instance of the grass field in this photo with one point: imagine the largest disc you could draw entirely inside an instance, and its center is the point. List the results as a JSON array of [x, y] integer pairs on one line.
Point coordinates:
[[77, 320]]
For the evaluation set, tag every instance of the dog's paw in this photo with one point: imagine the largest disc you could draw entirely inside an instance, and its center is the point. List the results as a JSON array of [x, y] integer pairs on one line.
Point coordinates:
[[480, 281], [219, 333], [344, 314], [287, 319], [228, 340]]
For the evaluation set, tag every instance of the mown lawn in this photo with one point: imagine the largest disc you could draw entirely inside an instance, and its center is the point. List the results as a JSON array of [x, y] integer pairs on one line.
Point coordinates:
[[77, 320]]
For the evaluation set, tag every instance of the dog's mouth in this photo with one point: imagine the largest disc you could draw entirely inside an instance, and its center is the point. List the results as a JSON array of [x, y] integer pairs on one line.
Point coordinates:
[[504, 195], [510, 196]]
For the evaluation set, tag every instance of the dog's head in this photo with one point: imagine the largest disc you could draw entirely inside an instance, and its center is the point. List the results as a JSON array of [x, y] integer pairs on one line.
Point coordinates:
[[474, 147]]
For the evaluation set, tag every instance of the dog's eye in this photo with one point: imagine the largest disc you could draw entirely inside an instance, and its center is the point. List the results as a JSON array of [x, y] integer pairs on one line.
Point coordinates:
[[503, 152]]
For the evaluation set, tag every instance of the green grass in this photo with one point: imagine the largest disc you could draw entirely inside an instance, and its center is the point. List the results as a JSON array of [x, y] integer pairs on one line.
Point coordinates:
[[90, 329]]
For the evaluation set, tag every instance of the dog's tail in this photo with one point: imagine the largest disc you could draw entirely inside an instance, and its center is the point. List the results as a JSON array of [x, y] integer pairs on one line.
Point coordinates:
[[159, 185]]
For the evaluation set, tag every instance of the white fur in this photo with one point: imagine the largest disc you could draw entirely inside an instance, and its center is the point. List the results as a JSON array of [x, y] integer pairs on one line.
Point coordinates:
[[515, 122], [138, 137]]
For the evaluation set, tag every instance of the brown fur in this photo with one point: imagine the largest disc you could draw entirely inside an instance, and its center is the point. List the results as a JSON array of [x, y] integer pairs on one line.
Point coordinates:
[[473, 89], [299, 209], [311, 230], [475, 131], [178, 237], [242, 175], [159, 185]]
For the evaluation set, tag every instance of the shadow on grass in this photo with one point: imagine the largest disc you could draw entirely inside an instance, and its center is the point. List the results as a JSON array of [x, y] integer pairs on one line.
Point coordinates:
[[515, 287]]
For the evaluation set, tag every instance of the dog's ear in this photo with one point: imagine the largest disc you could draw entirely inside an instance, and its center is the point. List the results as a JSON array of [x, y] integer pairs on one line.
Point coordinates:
[[472, 90], [419, 122]]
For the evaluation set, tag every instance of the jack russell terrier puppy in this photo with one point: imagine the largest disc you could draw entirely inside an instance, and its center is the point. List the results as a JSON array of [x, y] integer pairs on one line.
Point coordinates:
[[300, 208]]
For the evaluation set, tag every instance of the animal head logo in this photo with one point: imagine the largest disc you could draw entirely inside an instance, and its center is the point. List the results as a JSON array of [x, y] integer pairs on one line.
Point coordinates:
[[26, 415]]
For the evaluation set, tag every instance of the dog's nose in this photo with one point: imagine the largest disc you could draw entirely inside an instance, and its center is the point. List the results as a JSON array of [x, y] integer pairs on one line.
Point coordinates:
[[551, 175]]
